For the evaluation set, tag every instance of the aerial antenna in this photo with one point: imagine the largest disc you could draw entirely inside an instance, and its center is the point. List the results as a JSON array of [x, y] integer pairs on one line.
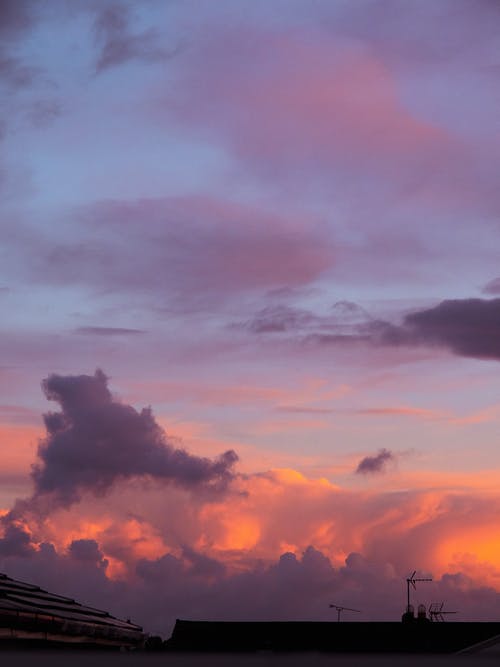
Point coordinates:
[[436, 611], [341, 609], [411, 580]]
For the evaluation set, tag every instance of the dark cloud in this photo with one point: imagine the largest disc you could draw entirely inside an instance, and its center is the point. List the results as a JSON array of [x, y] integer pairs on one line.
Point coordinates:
[[87, 551], [375, 464], [16, 541], [95, 441], [118, 45], [468, 327], [108, 331]]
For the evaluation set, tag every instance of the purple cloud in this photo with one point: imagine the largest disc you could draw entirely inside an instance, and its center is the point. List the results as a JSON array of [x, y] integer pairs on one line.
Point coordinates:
[[16, 541], [375, 464], [186, 251], [469, 327], [87, 551], [95, 441]]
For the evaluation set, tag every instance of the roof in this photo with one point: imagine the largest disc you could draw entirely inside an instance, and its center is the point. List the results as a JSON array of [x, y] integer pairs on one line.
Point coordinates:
[[25, 606], [339, 637]]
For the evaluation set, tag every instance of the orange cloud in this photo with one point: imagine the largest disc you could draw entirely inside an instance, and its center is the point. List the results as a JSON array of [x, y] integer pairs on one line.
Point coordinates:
[[402, 410], [473, 550], [448, 526]]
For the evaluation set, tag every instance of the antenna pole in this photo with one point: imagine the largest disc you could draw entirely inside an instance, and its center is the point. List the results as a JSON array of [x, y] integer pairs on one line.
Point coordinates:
[[411, 580], [341, 609]]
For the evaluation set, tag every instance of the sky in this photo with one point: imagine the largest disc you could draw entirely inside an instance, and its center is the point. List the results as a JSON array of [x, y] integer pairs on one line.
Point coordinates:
[[250, 294]]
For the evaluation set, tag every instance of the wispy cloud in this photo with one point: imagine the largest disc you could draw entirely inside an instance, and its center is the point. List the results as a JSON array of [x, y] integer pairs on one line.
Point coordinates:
[[109, 331], [119, 44]]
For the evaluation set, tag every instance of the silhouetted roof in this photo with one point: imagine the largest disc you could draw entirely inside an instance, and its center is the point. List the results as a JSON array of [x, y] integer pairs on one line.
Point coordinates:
[[30, 609], [343, 637]]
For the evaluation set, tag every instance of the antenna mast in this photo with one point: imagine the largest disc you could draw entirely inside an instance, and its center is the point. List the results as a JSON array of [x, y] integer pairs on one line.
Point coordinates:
[[411, 580], [341, 609], [436, 611]]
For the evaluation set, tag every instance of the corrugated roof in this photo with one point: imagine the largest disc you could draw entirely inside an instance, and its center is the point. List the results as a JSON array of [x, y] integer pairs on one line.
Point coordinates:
[[19, 599]]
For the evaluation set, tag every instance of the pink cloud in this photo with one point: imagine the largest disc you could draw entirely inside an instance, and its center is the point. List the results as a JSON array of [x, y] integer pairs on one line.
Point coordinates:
[[186, 250], [401, 410], [324, 111], [316, 88], [303, 101]]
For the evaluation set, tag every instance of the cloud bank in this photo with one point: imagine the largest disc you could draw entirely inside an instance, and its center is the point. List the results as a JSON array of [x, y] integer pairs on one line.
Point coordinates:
[[466, 327], [281, 546]]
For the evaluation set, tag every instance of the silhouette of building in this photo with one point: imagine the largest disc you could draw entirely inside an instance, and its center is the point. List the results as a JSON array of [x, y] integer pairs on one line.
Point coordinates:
[[30, 616], [419, 636]]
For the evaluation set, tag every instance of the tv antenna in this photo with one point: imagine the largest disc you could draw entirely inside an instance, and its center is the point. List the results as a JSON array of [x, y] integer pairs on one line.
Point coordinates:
[[412, 580], [341, 609], [436, 611]]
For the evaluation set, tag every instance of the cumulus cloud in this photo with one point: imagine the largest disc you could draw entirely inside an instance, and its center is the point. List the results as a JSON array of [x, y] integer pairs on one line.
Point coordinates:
[[16, 541], [290, 587], [95, 440], [375, 464], [87, 551], [228, 560], [282, 547]]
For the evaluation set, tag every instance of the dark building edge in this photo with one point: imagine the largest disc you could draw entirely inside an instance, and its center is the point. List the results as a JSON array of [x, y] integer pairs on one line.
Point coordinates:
[[330, 637]]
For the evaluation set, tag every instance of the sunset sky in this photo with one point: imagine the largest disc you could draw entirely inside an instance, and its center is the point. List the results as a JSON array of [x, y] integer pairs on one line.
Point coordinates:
[[250, 286]]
